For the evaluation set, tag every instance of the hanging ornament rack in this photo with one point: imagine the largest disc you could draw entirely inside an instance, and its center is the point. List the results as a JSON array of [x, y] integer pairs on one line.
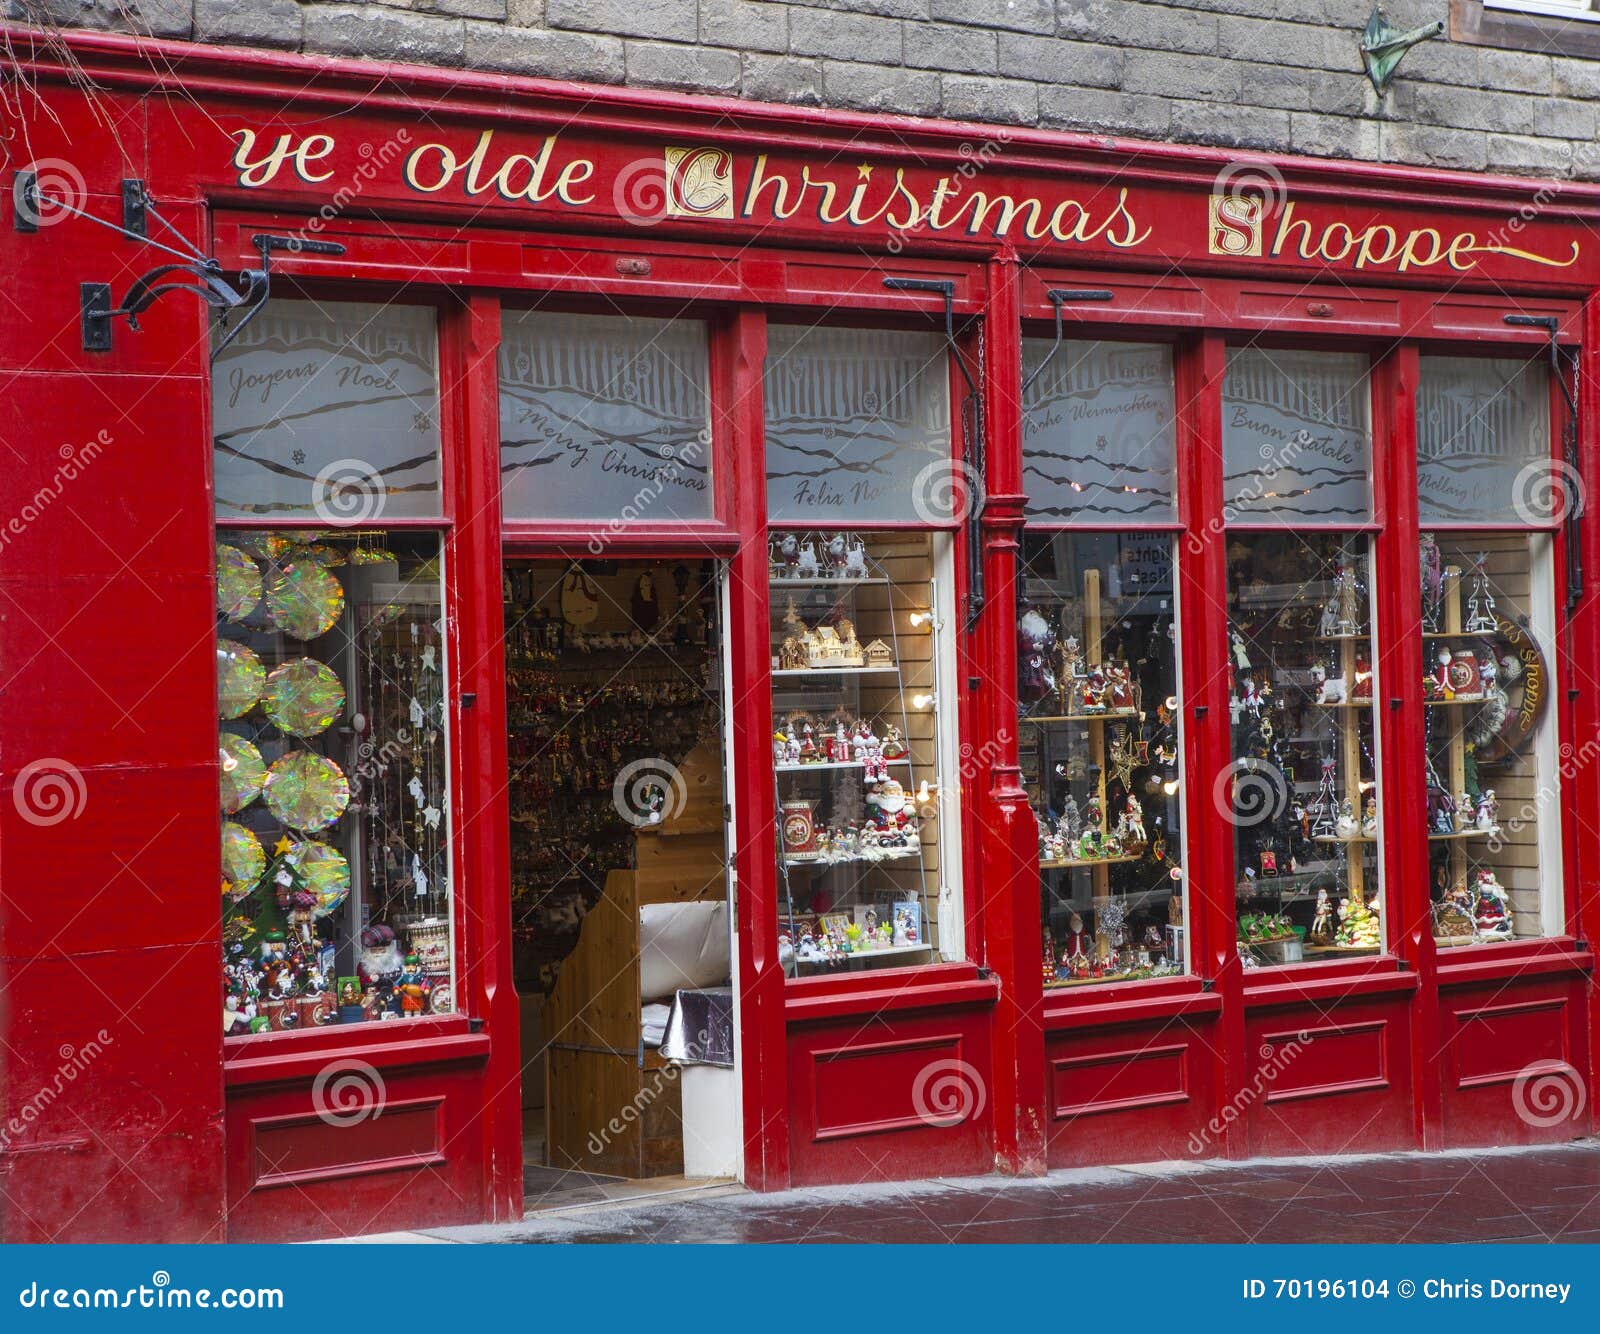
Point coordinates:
[[198, 274]]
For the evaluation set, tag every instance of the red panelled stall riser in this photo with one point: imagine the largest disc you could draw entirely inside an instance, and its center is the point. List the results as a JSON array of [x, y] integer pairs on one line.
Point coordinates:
[[449, 189]]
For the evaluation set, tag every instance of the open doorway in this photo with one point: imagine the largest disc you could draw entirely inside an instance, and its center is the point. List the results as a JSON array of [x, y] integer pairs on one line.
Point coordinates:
[[621, 919]]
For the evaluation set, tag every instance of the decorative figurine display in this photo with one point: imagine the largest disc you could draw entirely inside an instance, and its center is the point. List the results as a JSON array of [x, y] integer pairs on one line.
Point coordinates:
[[1323, 926], [1491, 907]]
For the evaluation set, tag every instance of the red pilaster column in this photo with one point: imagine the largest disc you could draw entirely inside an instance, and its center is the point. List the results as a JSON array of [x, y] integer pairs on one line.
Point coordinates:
[[1003, 905], [740, 441], [482, 809]]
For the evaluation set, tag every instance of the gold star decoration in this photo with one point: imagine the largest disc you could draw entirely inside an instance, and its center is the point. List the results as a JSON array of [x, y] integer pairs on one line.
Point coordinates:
[[282, 846], [864, 172]]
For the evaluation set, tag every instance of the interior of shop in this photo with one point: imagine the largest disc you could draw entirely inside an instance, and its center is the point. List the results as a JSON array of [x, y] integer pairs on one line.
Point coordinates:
[[620, 907]]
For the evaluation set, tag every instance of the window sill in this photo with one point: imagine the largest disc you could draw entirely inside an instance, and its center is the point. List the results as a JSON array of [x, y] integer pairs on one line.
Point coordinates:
[[267, 1058], [1312, 983], [1474, 24], [1146, 1000], [1512, 959], [931, 986]]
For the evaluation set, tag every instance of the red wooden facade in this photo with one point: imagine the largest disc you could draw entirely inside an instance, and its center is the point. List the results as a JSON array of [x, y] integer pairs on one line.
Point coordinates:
[[476, 191]]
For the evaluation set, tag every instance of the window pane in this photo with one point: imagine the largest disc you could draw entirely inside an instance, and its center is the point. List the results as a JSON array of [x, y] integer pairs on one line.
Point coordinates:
[[604, 418], [858, 426], [1098, 692], [1296, 436], [1494, 786], [335, 801], [1099, 436], [1301, 791], [1483, 441], [329, 410], [864, 721]]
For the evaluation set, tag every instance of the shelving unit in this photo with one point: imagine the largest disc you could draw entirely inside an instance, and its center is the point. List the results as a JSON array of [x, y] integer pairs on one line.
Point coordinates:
[[877, 605], [1054, 740]]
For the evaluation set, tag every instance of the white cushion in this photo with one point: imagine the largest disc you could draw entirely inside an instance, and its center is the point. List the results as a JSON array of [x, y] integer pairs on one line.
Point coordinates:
[[682, 945]]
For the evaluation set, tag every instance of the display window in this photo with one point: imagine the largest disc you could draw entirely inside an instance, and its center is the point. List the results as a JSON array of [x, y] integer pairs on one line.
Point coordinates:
[[331, 669], [863, 693], [1301, 788], [336, 878], [1098, 689], [1488, 599], [604, 417]]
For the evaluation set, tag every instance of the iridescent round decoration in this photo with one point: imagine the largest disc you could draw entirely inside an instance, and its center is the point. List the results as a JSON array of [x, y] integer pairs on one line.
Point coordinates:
[[326, 873], [307, 791], [303, 599], [243, 772], [303, 697], [268, 546], [238, 583], [243, 859], [240, 679]]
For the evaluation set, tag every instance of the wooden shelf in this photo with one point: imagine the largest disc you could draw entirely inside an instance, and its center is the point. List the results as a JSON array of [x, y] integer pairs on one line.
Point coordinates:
[[1337, 838], [823, 581], [1345, 704], [900, 855], [1081, 717], [1068, 862], [1341, 639], [921, 947], [1462, 833], [1459, 699], [791, 672], [820, 765]]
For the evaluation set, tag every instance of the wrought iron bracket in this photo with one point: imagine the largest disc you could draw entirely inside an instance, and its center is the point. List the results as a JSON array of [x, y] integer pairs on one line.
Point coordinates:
[[974, 452], [1571, 485], [193, 272], [1059, 297], [1383, 46]]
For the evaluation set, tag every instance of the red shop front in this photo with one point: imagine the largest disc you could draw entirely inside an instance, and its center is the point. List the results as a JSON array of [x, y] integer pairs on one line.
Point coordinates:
[[788, 647]]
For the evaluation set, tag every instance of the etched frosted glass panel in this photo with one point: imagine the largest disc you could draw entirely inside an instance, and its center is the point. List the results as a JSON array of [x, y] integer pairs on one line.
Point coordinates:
[[1099, 439], [604, 417], [858, 427], [329, 410], [1483, 441], [1296, 436]]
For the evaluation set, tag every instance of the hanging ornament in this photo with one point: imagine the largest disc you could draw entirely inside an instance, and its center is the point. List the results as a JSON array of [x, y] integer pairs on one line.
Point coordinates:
[[238, 583], [240, 679], [645, 609], [264, 546], [243, 858], [243, 772], [325, 873], [1481, 616], [430, 816], [419, 877], [306, 791], [304, 600], [303, 697], [580, 600]]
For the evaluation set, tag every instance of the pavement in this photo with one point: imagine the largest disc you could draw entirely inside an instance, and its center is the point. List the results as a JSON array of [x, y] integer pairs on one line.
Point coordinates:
[[1547, 1194]]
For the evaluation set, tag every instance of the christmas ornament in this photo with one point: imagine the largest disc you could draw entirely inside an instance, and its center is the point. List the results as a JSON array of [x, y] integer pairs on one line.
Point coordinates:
[[238, 583], [240, 679], [325, 873], [304, 600], [243, 772], [243, 858], [303, 697], [306, 791]]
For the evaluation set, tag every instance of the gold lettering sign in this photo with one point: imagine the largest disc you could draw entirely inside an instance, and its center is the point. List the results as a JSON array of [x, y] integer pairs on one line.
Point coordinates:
[[1236, 225], [699, 182]]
